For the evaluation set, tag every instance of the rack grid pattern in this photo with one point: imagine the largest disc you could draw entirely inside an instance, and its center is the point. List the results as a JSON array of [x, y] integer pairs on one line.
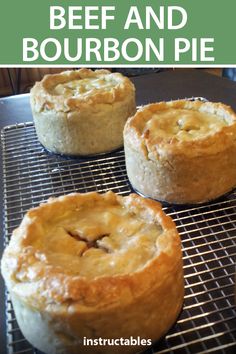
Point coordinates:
[[207, 323]]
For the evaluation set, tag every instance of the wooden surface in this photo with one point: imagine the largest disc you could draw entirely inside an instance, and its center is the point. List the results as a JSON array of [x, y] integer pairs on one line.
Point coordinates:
[[30, 75]]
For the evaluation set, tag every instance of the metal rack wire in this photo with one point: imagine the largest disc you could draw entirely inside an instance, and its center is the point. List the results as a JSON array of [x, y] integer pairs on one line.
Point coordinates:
[[207, 323]]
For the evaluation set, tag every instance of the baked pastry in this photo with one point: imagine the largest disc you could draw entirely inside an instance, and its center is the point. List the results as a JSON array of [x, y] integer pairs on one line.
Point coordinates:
[[94, 266], [82, 112], [182, 151]]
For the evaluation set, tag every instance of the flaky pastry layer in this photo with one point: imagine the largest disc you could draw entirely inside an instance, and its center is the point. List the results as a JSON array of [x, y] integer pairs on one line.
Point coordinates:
[[57, 92]]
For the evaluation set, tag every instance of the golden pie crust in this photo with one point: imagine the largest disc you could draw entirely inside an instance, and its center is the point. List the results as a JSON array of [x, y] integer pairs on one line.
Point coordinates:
[[82, 112], [94, 265], [182, 151]]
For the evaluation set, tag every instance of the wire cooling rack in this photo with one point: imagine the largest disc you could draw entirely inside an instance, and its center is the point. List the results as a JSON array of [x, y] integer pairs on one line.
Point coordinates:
[[207, 323]]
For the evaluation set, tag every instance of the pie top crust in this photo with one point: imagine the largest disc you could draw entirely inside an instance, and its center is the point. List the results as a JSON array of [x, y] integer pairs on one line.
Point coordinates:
[[188, 127], [71, 90], [90, 248]]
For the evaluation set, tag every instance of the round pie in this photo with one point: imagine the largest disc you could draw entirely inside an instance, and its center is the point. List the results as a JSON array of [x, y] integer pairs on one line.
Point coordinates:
[[82, 112], [94, 266], [182, 151]]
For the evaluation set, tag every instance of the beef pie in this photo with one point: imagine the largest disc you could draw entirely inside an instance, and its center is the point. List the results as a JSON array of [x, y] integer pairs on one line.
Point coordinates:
[[82, 112], [96, 266], [182, 151]]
